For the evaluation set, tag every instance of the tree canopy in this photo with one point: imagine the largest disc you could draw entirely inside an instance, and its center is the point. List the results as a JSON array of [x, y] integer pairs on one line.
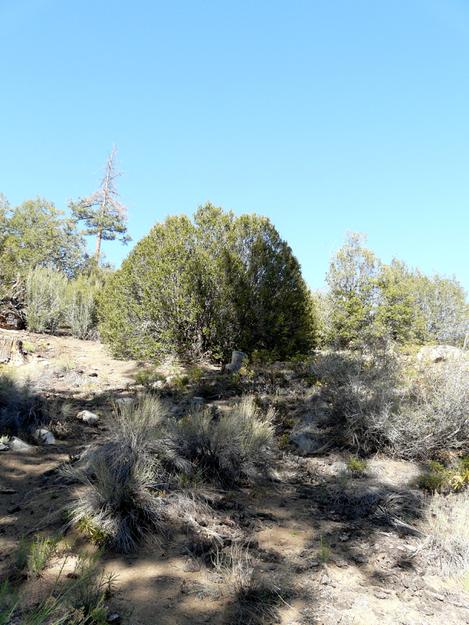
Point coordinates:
[[205, 287]]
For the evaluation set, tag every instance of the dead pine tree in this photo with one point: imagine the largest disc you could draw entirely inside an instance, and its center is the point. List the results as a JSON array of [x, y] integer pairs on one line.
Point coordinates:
[[105, 217]]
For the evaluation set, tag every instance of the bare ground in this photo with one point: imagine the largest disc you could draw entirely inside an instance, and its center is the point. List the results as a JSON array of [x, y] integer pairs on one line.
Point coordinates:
[[327, 547]]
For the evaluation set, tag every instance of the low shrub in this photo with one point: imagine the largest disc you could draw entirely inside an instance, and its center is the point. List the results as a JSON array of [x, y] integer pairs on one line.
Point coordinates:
[[379, 404], [119, 506], [80, 306], [45, 300], [440, 479], [446, 534]]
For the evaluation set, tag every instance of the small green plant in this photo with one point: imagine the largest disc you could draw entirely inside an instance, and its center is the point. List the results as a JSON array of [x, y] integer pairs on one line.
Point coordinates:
[[148, 377], [324, 550], [356, 466], [439, 479], [195, 374], [32, 556], [284, 441], [93, 532]]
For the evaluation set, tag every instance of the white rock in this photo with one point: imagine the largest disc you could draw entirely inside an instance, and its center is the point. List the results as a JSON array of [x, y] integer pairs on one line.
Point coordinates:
[[88, 417], [16, 444], [44, 436]]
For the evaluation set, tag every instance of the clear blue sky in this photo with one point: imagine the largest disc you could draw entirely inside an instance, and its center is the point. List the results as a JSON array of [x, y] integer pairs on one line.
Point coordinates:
[[325, 115]]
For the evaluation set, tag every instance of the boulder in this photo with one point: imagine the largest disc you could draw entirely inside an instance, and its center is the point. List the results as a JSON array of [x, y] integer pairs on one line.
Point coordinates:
[[88, 417], [16, 444], [44, 436]]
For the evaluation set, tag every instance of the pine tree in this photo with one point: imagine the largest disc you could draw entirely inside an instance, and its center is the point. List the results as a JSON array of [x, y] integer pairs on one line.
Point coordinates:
[[104, 215]]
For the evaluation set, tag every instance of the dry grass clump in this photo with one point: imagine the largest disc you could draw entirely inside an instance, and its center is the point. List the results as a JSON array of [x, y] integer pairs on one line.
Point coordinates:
[[255, 600], [225, 447], [446, 529], [120, 505], [145, 478], [379, 405]]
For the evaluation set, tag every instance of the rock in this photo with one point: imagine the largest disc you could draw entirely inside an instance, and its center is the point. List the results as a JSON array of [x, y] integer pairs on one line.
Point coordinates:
[[306, 441], [93, 375], [4, 447], [44, 436], [439, 353], [16, 444], [4, 490], [197, 402], [236, 363], [88, 417], [113, 617]]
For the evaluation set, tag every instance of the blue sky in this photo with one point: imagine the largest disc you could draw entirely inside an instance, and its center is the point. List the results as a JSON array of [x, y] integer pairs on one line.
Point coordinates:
[[325, 115]]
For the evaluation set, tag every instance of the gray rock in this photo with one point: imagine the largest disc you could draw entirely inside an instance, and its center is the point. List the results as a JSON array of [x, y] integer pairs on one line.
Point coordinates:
[[306, 441], [16, 444], [44, 436], [236, 363], [88, 417], [4, 447]]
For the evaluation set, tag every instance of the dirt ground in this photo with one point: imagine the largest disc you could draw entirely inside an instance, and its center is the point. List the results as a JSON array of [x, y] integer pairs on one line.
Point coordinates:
[[333, 548]]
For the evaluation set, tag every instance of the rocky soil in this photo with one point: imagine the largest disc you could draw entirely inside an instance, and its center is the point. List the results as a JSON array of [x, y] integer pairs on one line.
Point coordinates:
[[327, 546]]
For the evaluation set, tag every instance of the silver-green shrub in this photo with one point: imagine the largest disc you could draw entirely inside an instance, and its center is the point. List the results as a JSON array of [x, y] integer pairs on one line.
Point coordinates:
[[45, 299]]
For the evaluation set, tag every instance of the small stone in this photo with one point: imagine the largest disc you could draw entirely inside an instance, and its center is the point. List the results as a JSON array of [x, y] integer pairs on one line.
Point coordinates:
[[88, 417], [359, 559], [114, 617], [44, 436], [16, 444], [95, 375], [4, 447]]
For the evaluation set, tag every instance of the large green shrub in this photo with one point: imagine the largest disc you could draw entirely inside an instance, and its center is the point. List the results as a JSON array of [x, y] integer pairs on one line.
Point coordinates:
[[205, 287]]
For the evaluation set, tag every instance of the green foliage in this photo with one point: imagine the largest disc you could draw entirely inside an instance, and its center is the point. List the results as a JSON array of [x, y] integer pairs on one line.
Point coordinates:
[[352, 290], [36, 234], [369, 300], [205, 287]]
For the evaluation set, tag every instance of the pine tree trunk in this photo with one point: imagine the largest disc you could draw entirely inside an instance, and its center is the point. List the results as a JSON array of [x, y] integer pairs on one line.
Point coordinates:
[[97, 255]]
